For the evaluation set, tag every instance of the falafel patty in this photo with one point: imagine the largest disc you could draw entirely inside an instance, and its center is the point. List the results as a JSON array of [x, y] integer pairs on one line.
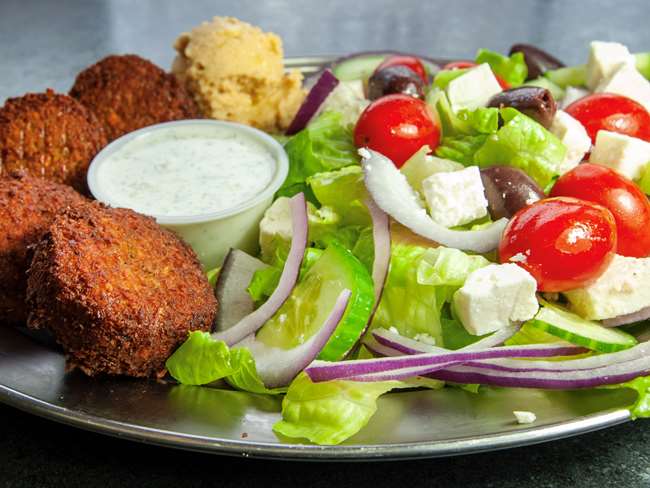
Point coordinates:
[[28, 206], [118, 292], [49, 135], [127, 92]]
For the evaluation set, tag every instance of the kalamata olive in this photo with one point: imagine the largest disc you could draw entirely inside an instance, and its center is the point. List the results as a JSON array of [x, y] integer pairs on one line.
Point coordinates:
[[508, 189], [533, 101], [537, 60], [395, 79]]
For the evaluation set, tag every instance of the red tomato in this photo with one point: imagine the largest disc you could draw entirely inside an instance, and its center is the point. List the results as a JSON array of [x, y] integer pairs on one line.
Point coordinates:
[[396, 126], [615, 113], [564, 243], [410, 62], [469, 64], [628, 204]]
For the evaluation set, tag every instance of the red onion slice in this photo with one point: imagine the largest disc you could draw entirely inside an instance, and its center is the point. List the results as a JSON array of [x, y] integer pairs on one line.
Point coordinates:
[[629, 318], [317, 95], [420, 364], [393, 194], [278, 367], [252, 322], [381, 242]]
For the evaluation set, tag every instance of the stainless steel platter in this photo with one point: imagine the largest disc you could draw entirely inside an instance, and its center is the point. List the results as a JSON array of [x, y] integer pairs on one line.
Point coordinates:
[[411, 424]]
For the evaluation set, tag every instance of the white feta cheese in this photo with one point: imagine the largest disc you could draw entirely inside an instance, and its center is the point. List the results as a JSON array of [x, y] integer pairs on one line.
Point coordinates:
[[347, 99], [627, 81], [604, 58], [456, 197], [574, 136], [494, 297], [473, 89], [624, 154], [524, 417], [571, 94], [621, 289]]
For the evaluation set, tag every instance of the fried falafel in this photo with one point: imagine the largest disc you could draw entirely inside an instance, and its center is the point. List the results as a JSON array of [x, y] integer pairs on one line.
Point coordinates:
[[127, 92], [118, 292], [49, 135], [28, 205]]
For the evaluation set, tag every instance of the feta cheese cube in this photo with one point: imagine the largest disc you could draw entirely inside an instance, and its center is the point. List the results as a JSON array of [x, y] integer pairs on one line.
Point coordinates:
[[604, 58], [621, 289], [627, 81], [524, 417], [473, 89], [624, 154], [456, 197], [574, 136], [494, 297], [572, 94]]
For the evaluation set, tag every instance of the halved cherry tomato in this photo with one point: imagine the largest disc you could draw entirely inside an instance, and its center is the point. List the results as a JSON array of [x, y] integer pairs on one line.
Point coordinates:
[[397, 126], [614, 113], [469, 64], [564, 243], [628, 204], [410, 62]]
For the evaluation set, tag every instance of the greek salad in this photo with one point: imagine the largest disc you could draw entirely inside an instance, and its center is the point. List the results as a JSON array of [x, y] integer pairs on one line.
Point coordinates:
[[479, 224]]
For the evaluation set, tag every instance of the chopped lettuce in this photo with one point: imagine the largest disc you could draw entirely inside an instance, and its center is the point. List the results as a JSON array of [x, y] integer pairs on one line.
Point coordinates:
[[201, 360], [329, 412], [420, 281], [482, 120], [445, 76], [325, 144], [461, 148], [342, 190], [512, 69], [454, 335], [524, 144], [644, 182], [641, 407]]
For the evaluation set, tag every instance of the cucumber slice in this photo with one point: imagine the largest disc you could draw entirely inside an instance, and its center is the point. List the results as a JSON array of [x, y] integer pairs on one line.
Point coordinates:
[[312, 300], [576, 330], [361, 66]]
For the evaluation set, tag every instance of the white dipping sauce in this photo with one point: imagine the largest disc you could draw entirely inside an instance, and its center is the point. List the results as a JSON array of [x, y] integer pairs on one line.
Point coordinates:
[[186, 171]]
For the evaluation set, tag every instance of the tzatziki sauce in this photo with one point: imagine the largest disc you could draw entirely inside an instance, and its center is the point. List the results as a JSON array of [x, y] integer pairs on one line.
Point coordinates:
[[186, 170]]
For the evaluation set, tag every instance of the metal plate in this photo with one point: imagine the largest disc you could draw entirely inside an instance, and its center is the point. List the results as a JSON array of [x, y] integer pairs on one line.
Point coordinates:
[[409, 424]]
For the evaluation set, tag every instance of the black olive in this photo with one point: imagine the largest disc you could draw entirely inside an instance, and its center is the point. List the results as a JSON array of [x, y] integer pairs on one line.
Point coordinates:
[[537, 60], [508, 189], [535, 102], [395, 79]]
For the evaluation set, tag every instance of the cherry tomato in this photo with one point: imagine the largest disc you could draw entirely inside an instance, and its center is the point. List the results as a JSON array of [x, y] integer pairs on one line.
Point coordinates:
[[615, 113], [628, 204], [410, 62], [564, 243], [396, 126], [469, 64]]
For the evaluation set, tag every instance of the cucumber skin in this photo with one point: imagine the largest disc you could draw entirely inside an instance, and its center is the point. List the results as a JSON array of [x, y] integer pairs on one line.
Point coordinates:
[[583, 341], [352, 325]]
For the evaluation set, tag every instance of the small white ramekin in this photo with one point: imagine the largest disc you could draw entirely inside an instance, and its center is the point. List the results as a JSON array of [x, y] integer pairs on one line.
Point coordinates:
[[210, 235]]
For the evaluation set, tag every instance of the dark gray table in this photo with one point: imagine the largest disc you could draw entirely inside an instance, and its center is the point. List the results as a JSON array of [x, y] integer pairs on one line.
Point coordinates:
[[44, 44]]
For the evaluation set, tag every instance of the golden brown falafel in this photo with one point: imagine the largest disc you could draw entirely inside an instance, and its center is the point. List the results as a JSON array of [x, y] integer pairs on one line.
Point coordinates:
[[28, 206], [128, 92], [49, 135], [119, 292]]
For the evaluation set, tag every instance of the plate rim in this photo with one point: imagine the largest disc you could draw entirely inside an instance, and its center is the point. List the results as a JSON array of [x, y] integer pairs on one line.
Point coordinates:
[[310, 452]]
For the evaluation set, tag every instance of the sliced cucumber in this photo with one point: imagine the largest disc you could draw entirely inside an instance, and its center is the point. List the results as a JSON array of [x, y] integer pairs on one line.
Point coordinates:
[[312, 300], [576, 330], [361, 66]]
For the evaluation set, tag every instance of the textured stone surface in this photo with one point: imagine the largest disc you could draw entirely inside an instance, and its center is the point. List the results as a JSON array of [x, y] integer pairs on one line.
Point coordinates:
[[45, 43]]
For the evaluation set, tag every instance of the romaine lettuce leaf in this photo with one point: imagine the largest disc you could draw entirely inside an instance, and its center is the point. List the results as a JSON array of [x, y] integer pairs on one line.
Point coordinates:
[[201, 360], [329, 412], [420, 281], [444, 77], [568, 76], [482, 120], [344, 191], [512, 69], [641, 407], [324, 145], [461, 148], [524, 144]]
